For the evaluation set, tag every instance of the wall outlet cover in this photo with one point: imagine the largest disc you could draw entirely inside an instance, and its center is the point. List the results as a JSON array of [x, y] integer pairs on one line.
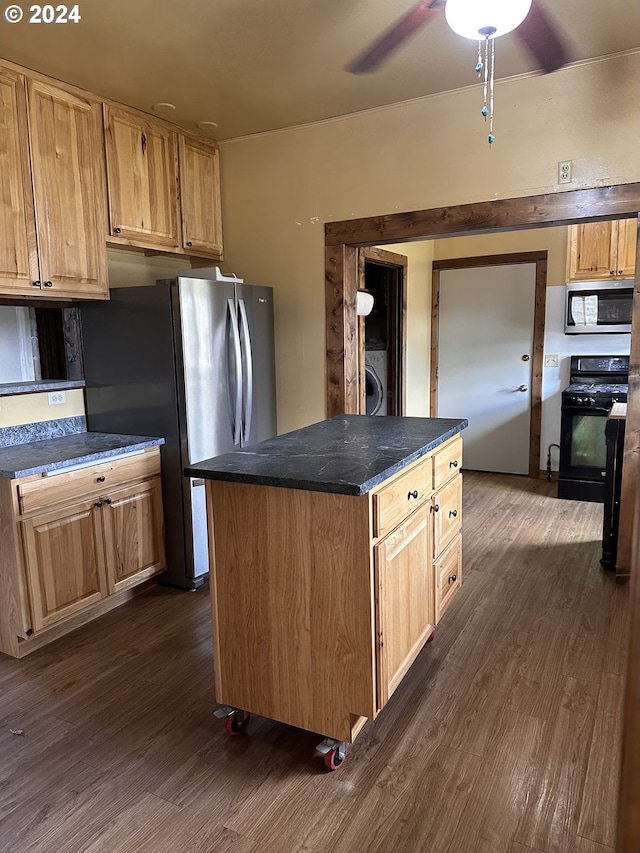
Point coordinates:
[[57, 398], [551, 361]]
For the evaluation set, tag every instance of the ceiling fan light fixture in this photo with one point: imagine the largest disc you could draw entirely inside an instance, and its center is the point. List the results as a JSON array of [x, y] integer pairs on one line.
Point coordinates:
[[475, 19]]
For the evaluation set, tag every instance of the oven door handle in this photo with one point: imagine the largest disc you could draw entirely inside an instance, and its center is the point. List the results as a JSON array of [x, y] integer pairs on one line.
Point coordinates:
[[584, 410]]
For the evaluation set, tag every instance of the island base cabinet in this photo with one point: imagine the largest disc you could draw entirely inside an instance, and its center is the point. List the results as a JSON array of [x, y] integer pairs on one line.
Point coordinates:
[[405, 601], [292, 599]]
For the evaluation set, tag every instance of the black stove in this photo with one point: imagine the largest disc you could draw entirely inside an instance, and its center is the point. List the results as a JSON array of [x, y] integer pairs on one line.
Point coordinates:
[[597, 382]]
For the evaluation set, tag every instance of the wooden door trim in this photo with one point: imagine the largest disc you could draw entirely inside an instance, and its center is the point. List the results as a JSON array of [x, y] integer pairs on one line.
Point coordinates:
[[540, 261], [398, 262]]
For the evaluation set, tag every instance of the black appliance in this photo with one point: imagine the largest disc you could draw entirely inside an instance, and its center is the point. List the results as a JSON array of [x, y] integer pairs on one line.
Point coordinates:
[[597, 382], [614, 434]]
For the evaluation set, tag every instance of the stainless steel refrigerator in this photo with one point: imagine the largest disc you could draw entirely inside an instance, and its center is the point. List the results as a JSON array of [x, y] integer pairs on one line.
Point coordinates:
[[190, 359]]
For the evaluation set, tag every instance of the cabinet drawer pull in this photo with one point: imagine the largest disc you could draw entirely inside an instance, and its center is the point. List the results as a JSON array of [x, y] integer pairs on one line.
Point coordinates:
[[101, 478], [453, 512], [435, 508], [413, 494], [453, 578], [453, 464], [98, 503]]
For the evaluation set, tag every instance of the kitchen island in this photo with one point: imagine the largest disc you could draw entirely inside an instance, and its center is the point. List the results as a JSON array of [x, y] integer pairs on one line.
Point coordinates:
[[334, 550]]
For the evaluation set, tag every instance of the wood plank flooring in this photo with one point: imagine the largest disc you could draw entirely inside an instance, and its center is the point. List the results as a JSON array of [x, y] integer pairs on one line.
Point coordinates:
[[504, 736]]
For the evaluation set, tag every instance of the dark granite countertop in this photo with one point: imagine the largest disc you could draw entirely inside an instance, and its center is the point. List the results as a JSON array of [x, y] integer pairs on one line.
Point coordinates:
[[9, 389], [53, 454], [348, 454]]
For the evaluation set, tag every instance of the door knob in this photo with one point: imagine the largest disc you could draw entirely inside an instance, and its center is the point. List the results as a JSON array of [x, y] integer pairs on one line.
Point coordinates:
[[526, 357], [523, 388]]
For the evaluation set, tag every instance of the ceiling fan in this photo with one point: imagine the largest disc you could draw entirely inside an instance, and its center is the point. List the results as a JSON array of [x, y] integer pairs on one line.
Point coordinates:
[[536, 31]]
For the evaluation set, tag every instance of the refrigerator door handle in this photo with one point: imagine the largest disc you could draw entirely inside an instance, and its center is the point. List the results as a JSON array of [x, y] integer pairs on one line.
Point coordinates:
[[235, 406], [248, 356]]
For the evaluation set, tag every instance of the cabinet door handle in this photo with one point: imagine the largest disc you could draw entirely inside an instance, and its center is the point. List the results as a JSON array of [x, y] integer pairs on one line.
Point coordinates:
[[453, 578], [189, 243], [612, 272], [619, 272], [101, 478], [413, 494], [117, 230], [37, 284], [98, 503], [107, 501], [453, 512], [435, 508], [144, 142], [453, 464], [48, 284]]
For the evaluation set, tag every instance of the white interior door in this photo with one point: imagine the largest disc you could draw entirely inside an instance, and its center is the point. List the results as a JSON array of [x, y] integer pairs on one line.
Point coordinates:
[[485, 329]]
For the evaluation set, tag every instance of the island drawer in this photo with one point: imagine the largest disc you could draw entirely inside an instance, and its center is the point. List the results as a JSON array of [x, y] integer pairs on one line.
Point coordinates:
[[400, 497], [42, 492], [448, 571], [447, 462], [447, 514]]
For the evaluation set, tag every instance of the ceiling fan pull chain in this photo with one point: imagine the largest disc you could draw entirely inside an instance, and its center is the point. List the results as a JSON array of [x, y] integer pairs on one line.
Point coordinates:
[[485, 65], [491, 137], [479, 63]]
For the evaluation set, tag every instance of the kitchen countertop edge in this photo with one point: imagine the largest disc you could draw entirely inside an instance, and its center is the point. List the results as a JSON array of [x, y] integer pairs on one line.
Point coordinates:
[[66, 452], [207, 468]]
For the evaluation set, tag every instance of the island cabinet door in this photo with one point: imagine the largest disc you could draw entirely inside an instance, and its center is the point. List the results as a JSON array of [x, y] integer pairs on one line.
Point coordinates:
[[405, 606], [64, 560], [133, 534]]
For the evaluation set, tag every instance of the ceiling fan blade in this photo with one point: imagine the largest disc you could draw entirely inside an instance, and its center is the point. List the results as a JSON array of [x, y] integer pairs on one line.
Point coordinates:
[[540, 35], [395, 36]]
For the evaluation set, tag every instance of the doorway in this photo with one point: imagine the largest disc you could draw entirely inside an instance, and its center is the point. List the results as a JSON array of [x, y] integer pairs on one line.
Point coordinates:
[[495, 365], [382, 333]]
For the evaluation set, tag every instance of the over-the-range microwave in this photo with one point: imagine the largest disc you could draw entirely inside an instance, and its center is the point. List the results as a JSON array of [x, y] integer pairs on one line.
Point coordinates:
[[598, 306]]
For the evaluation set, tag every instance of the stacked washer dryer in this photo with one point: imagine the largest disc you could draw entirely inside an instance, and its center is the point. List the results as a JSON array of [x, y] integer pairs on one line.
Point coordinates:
[[376, 381]]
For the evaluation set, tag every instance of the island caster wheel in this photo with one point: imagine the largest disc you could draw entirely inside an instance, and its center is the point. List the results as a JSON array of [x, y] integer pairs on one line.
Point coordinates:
[[237, 723], [335, 758], [431, 636]]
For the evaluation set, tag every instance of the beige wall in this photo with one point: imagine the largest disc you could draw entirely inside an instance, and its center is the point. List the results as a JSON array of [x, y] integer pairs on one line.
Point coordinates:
[[280, 188]]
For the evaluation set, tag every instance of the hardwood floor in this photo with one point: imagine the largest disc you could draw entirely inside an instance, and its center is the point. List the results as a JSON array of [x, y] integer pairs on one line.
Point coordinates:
[[503, 737]]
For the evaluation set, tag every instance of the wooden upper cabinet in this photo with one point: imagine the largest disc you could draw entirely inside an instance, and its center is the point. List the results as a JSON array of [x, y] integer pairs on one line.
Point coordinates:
[[601, 251], [68, 189], [18, 259], [200, 196], [142, 179], [627, 243], [52, 202]]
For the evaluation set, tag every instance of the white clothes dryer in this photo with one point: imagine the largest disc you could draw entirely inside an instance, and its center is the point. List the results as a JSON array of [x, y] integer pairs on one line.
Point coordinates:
[[376, 382]]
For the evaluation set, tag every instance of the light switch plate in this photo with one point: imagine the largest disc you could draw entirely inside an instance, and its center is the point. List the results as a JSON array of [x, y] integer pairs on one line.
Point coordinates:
[[551, 361], [57, 398]]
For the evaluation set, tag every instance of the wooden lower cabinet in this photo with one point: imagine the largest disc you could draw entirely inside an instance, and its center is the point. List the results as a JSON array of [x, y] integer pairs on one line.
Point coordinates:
[[405, 600], [64, 562], [321, 602], [76, 544]]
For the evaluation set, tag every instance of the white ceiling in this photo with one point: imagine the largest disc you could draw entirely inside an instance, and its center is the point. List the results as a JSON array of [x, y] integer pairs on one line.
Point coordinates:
[[257, 65]]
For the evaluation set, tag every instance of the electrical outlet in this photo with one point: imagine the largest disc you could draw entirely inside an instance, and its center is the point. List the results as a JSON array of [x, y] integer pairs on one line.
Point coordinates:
[[551, 361], [565, 171], [57, 398]]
